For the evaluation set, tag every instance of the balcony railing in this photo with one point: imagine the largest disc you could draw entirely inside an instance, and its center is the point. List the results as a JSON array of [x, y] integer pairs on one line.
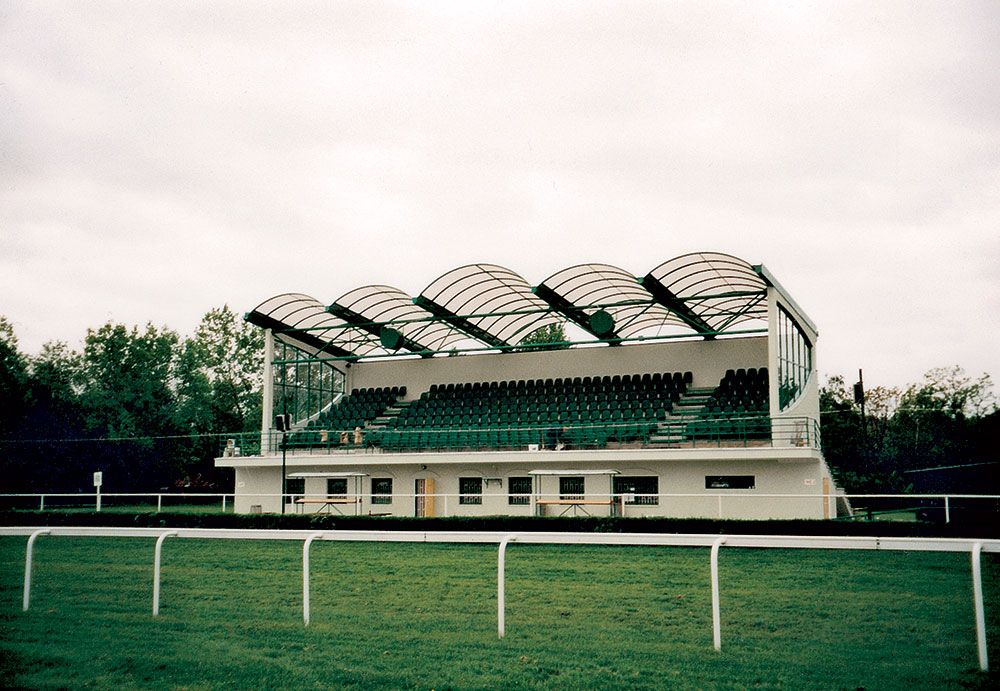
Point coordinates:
[[701, 432]]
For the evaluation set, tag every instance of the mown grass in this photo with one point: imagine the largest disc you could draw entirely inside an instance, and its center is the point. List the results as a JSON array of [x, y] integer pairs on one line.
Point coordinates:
[[424, 616]]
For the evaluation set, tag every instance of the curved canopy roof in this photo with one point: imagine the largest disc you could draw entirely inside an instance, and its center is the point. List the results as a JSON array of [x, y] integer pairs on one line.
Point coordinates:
[[489, 307]]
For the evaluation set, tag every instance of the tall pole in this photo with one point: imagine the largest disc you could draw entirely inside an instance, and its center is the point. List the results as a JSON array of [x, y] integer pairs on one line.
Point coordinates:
[[859, 398]]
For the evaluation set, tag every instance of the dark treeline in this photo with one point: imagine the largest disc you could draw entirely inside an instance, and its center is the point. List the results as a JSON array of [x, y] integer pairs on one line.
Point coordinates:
[[144, 405], [947, 419], [152, 410]]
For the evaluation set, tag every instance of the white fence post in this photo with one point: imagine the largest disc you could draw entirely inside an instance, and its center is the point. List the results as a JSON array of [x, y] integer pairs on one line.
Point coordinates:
[[223, 503], [977, 598], [159, 503], [156, 570], [27, 567], [947, 510], [305, 576], [501, 601], [41, 503], [716, 622]]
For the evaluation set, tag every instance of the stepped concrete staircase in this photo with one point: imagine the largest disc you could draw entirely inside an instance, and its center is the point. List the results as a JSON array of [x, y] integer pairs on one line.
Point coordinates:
[[673, 430]]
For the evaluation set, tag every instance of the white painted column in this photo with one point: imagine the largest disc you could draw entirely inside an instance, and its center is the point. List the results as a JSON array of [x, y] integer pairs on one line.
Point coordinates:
[[267, 402]]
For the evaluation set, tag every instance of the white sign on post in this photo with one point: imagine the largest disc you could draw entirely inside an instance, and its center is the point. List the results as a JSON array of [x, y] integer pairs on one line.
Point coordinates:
[[98, 478]]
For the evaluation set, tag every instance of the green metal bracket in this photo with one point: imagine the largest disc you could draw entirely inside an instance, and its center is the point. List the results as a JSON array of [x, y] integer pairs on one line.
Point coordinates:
[[305, 338], [673, 303], [574, 313], [459, 322], [360, 321]]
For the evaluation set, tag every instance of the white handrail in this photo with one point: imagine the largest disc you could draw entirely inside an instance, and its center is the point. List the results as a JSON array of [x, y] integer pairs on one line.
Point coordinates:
[[716, 619], [305, 576], [975, 547], [977, 601], [501, 599], [156, 570], [28, 559]]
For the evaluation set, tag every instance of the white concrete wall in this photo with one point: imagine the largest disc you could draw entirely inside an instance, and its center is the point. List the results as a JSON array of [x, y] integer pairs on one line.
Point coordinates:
[[707, 360], [801, 476]]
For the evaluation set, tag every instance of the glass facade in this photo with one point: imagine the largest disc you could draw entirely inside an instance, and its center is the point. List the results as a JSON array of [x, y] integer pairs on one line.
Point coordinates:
[[303, 385], [794, 359]]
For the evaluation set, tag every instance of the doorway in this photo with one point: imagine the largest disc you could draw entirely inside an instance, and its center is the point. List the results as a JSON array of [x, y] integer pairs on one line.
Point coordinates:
[[423, 497]]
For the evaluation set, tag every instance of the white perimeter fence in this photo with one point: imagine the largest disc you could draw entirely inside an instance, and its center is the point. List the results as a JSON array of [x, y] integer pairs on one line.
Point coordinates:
[[714, 504], [974, 547]]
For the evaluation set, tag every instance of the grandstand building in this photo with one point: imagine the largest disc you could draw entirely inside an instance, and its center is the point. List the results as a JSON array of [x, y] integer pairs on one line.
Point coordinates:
[[688, 391]]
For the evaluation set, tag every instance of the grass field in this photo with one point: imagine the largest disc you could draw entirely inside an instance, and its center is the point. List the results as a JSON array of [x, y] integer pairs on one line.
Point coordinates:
[[424, 616]]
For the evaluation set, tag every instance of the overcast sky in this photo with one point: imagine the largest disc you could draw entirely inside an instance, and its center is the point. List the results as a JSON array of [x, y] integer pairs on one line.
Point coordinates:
[[161, 159]]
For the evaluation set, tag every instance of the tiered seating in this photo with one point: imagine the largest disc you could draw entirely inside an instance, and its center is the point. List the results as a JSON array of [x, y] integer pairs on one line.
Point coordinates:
[[356, 409], [737, 409], [578, 412]]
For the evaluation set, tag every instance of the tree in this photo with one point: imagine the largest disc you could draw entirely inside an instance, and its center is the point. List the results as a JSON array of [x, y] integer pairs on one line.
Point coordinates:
[[940, 421], [13, 381], [552, 333], [230, 353], [219, 378], [127, 377]]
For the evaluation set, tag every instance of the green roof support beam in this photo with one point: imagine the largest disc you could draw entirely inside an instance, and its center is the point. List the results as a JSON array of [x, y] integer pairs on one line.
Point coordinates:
[[360, 321], [770, 280], [459, 322], [572, 312], [303, 337], [676, 305]]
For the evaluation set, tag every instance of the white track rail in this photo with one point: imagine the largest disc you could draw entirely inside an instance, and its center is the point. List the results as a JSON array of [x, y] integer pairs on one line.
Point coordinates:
[[503, 539]]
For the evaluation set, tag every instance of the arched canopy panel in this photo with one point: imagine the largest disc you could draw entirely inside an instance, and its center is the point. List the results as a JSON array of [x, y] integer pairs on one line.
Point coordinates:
[[491, 307], [711, 291], [303, 322], [488, 302], [376, 307], [582, 291]]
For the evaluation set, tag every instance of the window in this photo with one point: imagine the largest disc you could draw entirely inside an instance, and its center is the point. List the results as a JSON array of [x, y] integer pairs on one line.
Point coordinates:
[[730, 481], [296, 486], [470, 490], [794, 359], [640, 485], [571, 488], [518, 491], [336, 487], [381, 490]]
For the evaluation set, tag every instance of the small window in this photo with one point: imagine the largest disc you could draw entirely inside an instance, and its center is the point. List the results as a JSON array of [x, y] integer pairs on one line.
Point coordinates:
[[470, 490], [571, 488], [730, 481], [519, 491], [336, 487], [295, 486], [381, 490], [642, 490]]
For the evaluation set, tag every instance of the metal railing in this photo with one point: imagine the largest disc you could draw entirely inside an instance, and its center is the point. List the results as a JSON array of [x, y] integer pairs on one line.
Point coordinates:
[[974, 548], [712, 504], [703, 432]]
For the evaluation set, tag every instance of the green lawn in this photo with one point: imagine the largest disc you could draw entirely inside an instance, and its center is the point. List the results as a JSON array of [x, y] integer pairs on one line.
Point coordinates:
[[424, 616]]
